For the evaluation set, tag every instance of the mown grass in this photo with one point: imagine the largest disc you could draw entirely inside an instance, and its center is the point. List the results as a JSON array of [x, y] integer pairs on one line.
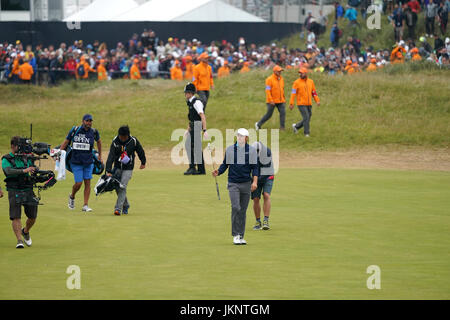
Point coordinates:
[[397, 106], [323, 238]]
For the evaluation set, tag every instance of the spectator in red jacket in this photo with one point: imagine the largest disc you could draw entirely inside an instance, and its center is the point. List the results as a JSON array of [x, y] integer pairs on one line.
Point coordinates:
[[70, 66]]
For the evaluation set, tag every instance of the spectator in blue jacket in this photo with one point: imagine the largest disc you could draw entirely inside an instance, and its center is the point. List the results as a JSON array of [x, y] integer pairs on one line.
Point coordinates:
[[351, 14], [242, 162], [339, 11], [334, 35]]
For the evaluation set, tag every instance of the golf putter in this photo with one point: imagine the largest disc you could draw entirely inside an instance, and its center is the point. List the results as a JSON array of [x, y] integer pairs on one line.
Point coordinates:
[[214, 168]]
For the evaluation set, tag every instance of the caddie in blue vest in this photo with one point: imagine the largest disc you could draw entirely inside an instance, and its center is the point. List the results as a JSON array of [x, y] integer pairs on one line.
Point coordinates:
[[82, 160]]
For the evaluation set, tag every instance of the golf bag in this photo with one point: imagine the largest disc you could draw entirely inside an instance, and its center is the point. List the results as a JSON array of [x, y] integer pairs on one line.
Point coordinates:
[[107, 184]]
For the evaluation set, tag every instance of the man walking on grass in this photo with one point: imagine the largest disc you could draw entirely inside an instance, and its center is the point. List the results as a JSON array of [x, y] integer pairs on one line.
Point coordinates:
[[203, 79], [241, 160], [274, 98], [303, 90], [265, 184], [82, 160], [17, 169], [122, 154]]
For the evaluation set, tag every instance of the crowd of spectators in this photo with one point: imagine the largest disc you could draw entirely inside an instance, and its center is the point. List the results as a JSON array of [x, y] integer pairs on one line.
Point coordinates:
[[147, 56]]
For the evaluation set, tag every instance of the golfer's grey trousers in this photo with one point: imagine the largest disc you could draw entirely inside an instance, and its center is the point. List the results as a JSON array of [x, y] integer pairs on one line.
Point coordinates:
[[306, 112], [281, 109], [122, 200], [240, 197]]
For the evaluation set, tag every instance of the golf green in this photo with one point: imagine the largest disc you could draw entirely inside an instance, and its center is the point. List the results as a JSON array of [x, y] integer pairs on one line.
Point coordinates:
[[327, 227]]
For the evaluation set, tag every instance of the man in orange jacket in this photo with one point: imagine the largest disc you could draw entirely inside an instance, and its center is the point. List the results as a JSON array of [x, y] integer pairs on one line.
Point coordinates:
[[135, 74], [349, 68], [373, 65], [175, 72], [14, 75], [223, 70], [102, 75], [415, 56], [274, 98], [245, 67], [25, 72], [189, 73], [397, 55], [83, 69], [303, 90], [203, 79]]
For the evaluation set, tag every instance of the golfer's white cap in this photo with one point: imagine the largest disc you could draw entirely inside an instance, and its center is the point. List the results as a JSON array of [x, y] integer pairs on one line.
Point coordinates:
[[243, 132]]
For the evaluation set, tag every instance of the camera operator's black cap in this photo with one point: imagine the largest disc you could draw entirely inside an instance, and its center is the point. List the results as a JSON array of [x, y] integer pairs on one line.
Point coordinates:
[[87, 117], [190, 87]]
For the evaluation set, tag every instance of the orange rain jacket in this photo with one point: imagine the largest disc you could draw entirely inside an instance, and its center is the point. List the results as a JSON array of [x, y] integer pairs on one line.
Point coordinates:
[[87, 68], [189, 73], [371, 67], [176, 73], [101, 73], [245, 68], [203, 77], [302, 91], [135, 74], [223, 72], [397, 55], [275, 89], [25, 71]]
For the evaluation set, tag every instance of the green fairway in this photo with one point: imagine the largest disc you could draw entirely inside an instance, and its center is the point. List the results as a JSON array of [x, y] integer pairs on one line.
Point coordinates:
[[328, 226]]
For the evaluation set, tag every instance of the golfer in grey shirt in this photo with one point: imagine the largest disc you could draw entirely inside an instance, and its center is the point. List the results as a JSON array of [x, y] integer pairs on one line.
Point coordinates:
[[242, 162]]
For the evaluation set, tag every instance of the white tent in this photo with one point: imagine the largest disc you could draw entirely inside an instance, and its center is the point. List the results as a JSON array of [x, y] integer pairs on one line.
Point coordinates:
[[187, 10], [103, 10]]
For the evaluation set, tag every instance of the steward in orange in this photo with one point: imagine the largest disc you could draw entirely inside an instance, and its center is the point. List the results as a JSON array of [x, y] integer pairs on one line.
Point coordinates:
[[203, 79], [245, 68], [303, 90], [372, 66], [223, 70], [349, 69], [25, 72], [102, 75], [274, 98], [189, 73], [135, 74], [14, 75], [397, 55], [415, 56], [175, 72], [83, 69]]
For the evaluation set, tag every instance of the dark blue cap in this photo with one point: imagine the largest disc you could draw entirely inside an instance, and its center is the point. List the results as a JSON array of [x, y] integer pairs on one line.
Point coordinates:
[[87, 117]]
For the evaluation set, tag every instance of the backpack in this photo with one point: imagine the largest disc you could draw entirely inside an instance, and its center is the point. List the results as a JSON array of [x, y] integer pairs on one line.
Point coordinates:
[[99, 167], [80, 70]]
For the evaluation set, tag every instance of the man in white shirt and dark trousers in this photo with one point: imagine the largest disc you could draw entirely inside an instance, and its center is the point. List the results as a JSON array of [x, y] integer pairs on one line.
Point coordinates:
[[122, 154], [197, 125], [242, 162]]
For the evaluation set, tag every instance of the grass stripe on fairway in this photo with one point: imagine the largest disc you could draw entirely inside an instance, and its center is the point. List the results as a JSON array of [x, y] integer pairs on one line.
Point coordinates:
[[328, 226]]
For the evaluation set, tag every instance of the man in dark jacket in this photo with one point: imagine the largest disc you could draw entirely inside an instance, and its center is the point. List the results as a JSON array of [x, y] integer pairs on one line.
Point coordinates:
[[122, 154], [241, 160]]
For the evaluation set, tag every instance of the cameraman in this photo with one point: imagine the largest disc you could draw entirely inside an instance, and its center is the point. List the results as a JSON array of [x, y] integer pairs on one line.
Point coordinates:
[[122, 155], [20, 192]]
